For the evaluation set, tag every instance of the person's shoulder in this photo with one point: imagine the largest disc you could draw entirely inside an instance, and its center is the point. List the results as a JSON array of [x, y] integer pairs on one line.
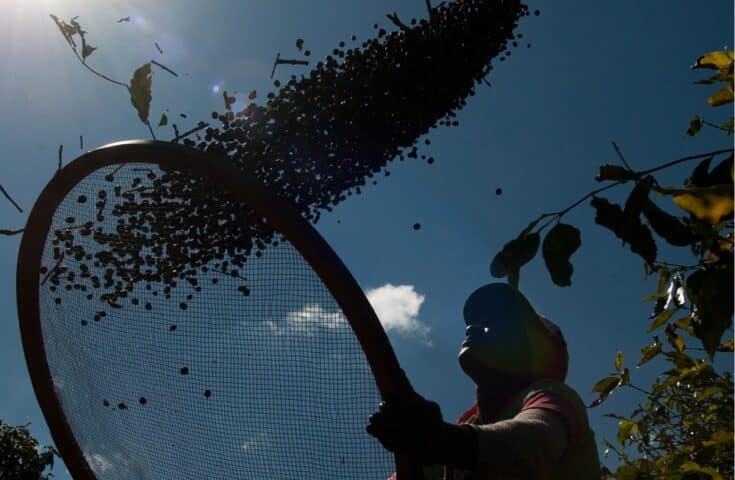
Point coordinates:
[[553, 388], [556, 396]]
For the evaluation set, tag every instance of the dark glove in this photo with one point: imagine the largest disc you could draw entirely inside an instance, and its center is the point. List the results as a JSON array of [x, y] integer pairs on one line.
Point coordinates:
[[411, 425]]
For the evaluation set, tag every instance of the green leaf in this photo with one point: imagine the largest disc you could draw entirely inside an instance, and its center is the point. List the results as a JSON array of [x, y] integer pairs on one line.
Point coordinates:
[[664, 274], [661, 318], [626, 472], [560, 243], [695, 125], [619, 359], [711, 292], [163, 121], [649, 352], [719, 437], [715, 60], [616, 173], [140, 91], [712, 204], [722, 96], [625, 379], [515, 254], [728, 125], [607, 384], [626, 429], [693, 467]]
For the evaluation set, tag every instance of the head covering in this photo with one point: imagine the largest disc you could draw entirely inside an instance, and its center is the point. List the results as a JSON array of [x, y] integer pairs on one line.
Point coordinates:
[[520, 341]]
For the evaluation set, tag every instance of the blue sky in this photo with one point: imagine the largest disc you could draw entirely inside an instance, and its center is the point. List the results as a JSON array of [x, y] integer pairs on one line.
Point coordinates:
[[595, 73]]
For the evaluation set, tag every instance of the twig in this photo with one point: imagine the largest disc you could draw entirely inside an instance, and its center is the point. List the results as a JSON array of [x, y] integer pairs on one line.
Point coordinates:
[[61, 151], [397, 22], [61, 259], [158, 47], [150, 129], [561, 213], [164, 67], [718, 127], [81, 142], [486, 82], [620, 155], [2, 189], [11, 232], [428, 7], [684, 159], [279, 61], [201, 126]]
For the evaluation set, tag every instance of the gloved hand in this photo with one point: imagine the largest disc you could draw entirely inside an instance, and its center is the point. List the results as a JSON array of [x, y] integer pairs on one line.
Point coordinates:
[[411, 425]]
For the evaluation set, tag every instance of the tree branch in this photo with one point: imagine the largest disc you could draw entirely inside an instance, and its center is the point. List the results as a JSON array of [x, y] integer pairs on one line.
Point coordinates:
[[10, 199], [201, 126], [11, 232], [397, 22], [620, 155], [684, 159]]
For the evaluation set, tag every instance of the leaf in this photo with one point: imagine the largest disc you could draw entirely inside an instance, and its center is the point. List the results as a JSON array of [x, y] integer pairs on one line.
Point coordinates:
[[299, 44], [627, 228], [626, 472], [626, 429], [124, 19], [625, 379], [675, 295], [649, 352], [727, 346], [515, 254], [605, 387], [711, 204], [66, 30], [163, 121], [252, 95], [140, 91], [695, 125], [719, 437], [728, 125], [683, 322], [560, 243], [607, 384], [87, 50], [616, 173], [721, 174], [667, 226], [715, 60], [664, 274], [619, 359], [700, 174], [681, 360], [722, 96], [661, 318], [692, 467], [711, 292]]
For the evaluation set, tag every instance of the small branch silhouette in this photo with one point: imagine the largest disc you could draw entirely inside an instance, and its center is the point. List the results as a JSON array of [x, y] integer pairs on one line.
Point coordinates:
[[10, 199], [280, 61]]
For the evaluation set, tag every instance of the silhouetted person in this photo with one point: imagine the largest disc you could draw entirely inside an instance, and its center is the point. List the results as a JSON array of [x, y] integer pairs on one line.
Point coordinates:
[[525, 424]]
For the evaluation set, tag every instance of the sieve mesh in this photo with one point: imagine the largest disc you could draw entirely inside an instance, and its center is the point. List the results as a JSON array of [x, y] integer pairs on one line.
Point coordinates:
[[190, 340]]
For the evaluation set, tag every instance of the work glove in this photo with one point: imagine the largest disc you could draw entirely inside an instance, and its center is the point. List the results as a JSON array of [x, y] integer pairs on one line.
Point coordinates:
[[410, 425]]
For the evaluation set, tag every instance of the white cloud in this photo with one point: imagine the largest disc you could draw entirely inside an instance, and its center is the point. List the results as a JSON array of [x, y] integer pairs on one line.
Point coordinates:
[[308, 321], [397, 307]]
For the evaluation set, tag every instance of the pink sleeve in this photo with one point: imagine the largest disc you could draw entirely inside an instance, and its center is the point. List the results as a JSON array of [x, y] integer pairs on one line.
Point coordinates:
[[546, 400]]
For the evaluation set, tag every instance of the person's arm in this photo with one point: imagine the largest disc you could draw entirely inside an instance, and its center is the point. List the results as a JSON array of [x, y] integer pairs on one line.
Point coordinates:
[[527, 446]]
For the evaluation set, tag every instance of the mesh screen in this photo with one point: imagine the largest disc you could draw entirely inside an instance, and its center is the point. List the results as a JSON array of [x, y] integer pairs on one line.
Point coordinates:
[[186, 339]]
